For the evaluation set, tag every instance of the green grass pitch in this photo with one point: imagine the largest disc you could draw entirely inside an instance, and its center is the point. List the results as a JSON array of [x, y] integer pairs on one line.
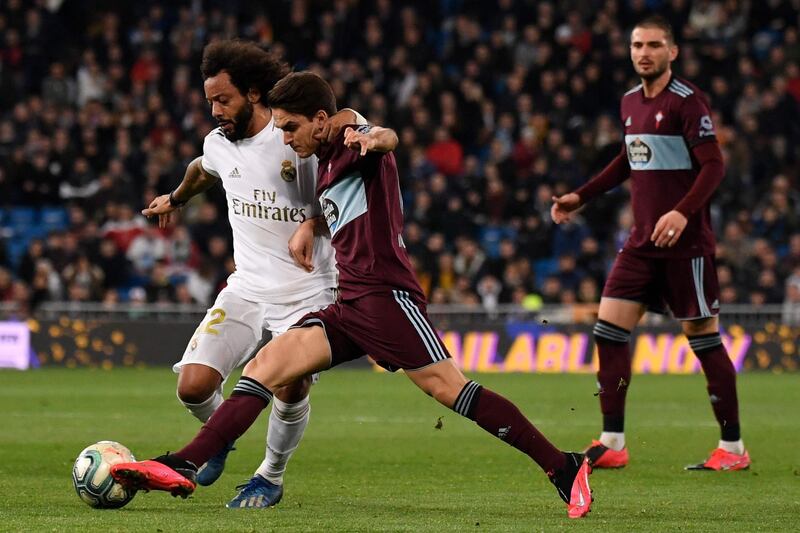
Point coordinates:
[[372, 459]]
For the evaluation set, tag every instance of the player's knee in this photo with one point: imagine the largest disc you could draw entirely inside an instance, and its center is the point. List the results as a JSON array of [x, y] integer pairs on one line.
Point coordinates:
[[196, 385], [195, 392], [293, 392], [263, 369], [442, 391], [700, 327]]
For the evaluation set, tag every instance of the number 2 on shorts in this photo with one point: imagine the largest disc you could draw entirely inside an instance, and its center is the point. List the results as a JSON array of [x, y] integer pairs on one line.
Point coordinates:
[[217, 317]]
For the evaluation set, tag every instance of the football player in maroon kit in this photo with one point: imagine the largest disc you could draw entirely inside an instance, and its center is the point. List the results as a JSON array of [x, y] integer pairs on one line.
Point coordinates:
[[381, 310], [673, 160]]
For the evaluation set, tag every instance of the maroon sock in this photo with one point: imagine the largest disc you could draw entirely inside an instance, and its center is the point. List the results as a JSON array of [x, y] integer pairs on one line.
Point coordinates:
[[721, 382], [502, 419], [614, 375], [229, 421]]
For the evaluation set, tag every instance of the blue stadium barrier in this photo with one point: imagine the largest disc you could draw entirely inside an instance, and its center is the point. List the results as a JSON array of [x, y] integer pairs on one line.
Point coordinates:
[[54, 218], [19, 217], [36, 231]]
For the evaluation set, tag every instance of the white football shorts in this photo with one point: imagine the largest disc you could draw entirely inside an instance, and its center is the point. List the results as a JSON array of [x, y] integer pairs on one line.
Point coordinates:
[[233, 327]]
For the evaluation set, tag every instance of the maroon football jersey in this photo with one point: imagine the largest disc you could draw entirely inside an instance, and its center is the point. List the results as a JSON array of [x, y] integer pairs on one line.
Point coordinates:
[[659, 135], [360, 200]]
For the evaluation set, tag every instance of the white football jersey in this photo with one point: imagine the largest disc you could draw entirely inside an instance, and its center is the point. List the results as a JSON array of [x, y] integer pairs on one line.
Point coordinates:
[[270, 191]]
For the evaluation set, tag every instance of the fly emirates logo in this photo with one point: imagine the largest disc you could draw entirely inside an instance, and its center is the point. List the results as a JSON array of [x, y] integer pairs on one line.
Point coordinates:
[[265, 206]]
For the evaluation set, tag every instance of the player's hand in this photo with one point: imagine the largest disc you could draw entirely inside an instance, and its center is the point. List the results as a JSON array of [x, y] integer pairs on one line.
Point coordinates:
[[160, 207], [358, 141], [334, 125], [301, 245], [668, 229], [563, 206]]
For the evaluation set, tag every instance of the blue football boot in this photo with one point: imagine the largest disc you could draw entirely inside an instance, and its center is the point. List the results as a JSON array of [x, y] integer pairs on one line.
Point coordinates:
[[256, 493], [211, 471]]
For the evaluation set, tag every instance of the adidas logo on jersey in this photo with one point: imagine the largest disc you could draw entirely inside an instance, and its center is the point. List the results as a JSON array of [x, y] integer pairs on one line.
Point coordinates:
[[715, 304], [235, 173], [503, 432]]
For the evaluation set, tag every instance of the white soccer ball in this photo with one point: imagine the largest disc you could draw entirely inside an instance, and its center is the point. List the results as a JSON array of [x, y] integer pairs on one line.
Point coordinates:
[[92, 479]]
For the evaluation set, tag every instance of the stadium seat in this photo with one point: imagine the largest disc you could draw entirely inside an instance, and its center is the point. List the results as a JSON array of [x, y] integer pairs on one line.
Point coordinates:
[[34, 231], [6, 232], [54, 218], [16, 249], [19, 217], [545, 267]]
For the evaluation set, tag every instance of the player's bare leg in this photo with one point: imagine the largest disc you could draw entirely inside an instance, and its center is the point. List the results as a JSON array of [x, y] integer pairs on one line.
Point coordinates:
[[616, 319], [569, 472], [200, 389], [706, 343], [293, 355]]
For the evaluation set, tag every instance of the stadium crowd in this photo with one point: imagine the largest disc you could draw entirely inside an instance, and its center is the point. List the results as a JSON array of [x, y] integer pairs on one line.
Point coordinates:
[[498, 105]]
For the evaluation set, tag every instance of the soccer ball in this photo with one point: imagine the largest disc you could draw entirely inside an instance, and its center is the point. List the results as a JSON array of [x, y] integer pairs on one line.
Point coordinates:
[[92, 479]]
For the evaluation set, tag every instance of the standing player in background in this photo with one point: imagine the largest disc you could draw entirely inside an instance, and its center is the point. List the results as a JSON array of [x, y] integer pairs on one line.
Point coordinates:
[[270, 193], [381, 310], [675, 164]]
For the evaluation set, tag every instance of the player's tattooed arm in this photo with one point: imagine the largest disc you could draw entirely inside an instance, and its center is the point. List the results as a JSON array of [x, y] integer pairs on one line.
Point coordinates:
[[301, 244], [370, 139], [195, 181]]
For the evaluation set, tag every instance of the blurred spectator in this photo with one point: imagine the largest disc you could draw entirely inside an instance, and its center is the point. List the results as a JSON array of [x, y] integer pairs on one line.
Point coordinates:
[[6, 282], [85, 276], [791, 304], [147, 249], [159, 287], [499, 105], [57, 88]]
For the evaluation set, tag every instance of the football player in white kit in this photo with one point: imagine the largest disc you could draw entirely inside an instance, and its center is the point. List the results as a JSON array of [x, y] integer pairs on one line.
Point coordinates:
[[270, 193]]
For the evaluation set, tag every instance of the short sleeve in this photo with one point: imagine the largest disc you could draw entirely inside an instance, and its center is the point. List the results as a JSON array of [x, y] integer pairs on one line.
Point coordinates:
[[208, 154], [696, 121], [360, 120]]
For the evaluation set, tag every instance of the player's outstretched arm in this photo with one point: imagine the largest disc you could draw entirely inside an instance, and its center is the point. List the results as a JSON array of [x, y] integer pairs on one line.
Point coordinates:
[[617, 171], [195, 181], [334, 124], [563, 207], [372, 139]]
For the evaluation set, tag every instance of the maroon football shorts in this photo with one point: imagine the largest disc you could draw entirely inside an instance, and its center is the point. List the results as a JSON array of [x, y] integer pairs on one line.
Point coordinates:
[[393, 328], [687, 286]]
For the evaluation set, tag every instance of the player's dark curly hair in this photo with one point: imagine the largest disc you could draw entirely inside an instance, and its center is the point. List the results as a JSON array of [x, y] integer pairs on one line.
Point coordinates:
[[303, 93], [248, 65]]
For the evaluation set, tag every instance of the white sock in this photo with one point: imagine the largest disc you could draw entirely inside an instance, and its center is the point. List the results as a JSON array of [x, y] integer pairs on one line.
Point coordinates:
[[732, 446], [287, 423], [204, 410], [610, 439]]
